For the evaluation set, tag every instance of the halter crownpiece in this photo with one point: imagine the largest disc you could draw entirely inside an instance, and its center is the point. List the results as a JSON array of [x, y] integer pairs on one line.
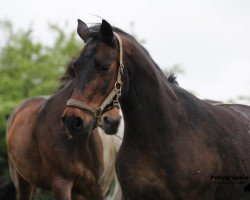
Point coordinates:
[[113, 96]]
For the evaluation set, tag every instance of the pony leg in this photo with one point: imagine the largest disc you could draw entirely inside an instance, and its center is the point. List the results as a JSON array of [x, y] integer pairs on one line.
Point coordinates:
[[24, 190], [61, 189]]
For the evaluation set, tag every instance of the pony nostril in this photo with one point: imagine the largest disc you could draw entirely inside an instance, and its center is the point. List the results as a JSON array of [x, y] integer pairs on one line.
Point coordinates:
[[117, 122], [78, 123], [73, 124], [110, 125], [107, 120], [63, 118]]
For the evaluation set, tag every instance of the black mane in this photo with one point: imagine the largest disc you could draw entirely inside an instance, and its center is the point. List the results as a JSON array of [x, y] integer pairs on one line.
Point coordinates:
[[172, 79]]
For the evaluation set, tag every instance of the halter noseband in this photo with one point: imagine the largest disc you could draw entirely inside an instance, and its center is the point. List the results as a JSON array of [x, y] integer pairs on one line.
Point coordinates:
[[113, 96]]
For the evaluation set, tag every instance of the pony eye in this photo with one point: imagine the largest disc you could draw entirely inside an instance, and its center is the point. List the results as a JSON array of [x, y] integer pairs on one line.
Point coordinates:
[[105, 67]]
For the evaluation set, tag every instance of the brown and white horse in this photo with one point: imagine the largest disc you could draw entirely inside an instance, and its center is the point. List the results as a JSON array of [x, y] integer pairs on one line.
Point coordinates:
[[43, 153]]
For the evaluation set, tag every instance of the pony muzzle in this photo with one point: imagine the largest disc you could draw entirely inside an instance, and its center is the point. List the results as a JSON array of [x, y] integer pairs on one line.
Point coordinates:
[[110, 121], [77, 123]]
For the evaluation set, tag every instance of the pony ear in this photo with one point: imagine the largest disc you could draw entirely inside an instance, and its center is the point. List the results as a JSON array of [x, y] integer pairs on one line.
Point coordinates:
[[83, 30], [106, 32]]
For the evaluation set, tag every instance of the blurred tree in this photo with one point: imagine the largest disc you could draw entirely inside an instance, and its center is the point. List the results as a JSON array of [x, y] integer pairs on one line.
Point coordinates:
[[132, 32], [177, 69], [174, 69], [240, 99], [29, 68]]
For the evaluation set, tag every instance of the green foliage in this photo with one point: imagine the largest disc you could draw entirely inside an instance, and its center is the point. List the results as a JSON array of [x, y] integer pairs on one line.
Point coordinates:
[[29, 68]]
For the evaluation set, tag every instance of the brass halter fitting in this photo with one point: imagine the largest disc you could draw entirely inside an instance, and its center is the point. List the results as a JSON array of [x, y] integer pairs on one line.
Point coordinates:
[[98, 112], [118, 87]]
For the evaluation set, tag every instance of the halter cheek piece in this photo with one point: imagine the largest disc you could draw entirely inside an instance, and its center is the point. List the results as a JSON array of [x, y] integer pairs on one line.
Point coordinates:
[[112, 100]]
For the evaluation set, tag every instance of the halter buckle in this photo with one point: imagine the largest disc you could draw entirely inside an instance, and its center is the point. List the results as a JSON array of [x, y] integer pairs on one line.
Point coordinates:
[[118, 87], [116, 104], [98, 112]]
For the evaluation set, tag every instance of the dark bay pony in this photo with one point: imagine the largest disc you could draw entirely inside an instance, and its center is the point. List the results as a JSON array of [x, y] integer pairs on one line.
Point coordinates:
[[174, 143], [42, 153]]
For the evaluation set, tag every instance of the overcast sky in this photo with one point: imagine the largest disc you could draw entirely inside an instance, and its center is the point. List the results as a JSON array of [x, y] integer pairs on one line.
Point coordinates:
[[210, 39]]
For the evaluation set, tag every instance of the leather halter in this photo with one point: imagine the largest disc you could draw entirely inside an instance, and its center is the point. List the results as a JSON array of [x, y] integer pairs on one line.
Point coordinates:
[[112, 100]]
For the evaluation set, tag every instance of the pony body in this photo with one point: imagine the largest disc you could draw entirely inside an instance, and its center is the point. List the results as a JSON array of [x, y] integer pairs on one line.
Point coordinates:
[[41, 154]]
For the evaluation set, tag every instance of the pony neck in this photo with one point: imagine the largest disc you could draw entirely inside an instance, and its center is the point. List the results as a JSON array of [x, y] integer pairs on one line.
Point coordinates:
[[150, 105]]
